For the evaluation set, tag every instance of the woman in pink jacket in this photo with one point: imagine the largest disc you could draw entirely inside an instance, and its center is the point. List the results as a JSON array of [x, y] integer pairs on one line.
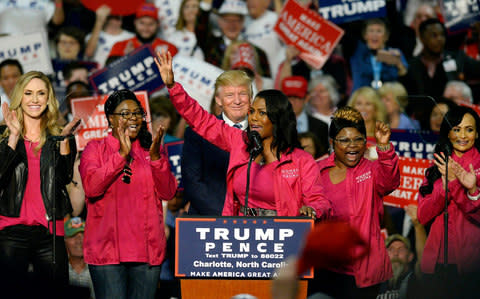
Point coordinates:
[[362, 183], [459, 136], [125, 177], [284, 178]]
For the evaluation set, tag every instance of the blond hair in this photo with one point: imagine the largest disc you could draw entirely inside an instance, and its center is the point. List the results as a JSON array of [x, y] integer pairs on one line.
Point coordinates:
[[372, 96], [48, 124], [234, 78], [348, 113], [397, 90]]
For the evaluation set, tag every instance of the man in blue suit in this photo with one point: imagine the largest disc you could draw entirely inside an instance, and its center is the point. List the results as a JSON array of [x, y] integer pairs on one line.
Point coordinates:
[[204, 166]]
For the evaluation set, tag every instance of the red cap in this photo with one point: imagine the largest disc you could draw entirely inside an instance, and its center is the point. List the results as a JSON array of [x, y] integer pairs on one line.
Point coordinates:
[[295, 86], [331, 244], [147, 10], [243, 57]]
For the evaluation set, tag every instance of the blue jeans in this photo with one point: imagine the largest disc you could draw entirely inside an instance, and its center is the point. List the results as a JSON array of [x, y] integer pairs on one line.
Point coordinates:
[[125, 280]]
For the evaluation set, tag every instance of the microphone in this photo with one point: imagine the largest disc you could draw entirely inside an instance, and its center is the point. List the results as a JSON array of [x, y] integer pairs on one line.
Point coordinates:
[[256, 142], [61, 137]]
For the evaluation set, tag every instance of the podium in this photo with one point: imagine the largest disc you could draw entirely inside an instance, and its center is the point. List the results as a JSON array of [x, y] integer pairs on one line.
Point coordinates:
[[219, 257]]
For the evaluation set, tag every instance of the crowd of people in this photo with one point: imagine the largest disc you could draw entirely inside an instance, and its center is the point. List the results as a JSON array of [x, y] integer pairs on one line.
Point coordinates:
[[281, 138]]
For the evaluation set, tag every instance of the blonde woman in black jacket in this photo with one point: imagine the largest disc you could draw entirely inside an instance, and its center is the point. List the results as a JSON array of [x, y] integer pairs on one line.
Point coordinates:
[[35, 166]]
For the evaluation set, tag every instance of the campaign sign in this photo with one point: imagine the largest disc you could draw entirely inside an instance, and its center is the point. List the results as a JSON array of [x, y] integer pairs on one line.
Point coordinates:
[[342, 11], [237, 247], [312, 35], [414, 144], [31, 50], [197, 78], [412, 173], [460, 14], [94, 122], [174, 153], [136, 71]]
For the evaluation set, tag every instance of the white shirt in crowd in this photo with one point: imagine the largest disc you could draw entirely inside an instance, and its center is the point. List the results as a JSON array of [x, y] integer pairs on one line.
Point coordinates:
[[105, 44], [186, 43], [168, 11], [25, 16], [260, 33]]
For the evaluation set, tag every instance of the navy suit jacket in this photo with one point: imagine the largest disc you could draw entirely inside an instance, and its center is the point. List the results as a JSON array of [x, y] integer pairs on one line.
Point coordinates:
[[204, 172]]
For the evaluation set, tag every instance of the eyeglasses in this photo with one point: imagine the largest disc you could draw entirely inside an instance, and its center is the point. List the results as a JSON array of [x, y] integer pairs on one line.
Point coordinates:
[[347, 141], [127, 171], [129, 114]]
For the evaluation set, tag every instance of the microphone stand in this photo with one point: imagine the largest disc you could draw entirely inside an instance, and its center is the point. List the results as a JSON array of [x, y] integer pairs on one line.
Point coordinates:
[[55, 140], [445, 215], [252, 157]]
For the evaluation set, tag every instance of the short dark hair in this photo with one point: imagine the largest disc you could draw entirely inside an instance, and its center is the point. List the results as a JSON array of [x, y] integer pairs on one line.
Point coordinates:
[[69, 68], [74, 32], [12, 62], [432, 21], [376, 21], [118, 97], [320, 149], [284, 121]]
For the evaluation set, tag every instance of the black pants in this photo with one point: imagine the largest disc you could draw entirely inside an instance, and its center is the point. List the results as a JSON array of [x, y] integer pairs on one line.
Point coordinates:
[[22, 245]]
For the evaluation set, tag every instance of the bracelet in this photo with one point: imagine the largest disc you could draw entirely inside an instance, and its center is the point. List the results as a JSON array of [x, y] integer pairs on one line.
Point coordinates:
[[383, 147], [475, 195]]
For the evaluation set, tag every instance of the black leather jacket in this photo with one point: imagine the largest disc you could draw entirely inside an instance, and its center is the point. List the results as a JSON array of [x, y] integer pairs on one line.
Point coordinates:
[[14, 174]]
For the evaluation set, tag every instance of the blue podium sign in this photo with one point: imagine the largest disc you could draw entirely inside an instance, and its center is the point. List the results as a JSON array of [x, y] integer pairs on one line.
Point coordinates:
[[414, 144], [237, 247]]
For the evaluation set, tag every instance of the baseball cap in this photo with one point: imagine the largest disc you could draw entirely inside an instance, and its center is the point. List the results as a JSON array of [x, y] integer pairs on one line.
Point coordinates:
[[243, 57], [147, 10], [73, 226], [295, 86], [397, 237], [236, 7]]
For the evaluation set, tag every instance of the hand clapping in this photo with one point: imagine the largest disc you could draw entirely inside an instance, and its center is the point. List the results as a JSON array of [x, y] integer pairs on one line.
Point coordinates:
[[157, 142]]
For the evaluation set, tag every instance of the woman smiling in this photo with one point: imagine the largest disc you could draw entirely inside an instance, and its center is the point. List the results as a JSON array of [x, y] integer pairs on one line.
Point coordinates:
[[284, 178], [363, 184]]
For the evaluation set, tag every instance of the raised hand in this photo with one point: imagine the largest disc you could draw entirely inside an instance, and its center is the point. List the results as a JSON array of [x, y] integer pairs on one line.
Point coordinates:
[[164, 64], [382, 133], [157, 142], [103, 12], [468, 179], [11, 120], [411, 210], [123, 134]]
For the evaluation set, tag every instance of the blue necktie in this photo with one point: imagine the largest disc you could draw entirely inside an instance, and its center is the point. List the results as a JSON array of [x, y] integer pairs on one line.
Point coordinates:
[[238, 126]]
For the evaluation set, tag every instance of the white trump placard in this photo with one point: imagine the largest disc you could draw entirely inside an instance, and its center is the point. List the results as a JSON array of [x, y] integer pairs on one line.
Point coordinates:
[[30, 49]]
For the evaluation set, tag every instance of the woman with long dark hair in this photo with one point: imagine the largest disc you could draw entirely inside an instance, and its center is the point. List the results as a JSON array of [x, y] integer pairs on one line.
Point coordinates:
[[125, 177], [284, 178], [36, 164], [459, 140]]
